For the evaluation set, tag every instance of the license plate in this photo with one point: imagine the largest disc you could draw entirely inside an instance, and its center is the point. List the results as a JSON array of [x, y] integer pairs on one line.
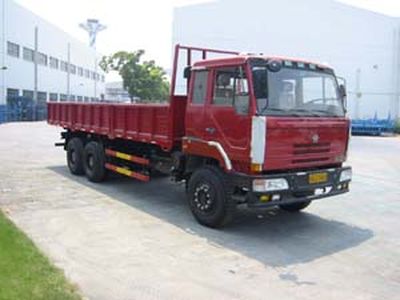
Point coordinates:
[[317, 178]]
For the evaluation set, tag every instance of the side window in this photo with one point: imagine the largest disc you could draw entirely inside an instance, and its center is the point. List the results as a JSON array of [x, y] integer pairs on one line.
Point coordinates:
[[231, 89], [200, 87]]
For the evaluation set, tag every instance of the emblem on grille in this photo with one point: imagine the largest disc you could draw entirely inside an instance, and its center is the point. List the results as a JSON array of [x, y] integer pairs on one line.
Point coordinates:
[[315, 138]]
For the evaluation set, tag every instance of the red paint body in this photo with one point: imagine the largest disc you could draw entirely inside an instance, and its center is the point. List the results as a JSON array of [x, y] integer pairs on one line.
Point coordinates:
[[289, 143]]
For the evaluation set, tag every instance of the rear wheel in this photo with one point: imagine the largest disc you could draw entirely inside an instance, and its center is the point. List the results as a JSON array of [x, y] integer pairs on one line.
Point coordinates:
[[94, 162], [295, 207], [210, 197], [75, 156]]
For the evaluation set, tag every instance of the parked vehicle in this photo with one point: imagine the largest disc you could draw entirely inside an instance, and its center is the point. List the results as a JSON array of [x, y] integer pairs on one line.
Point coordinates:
[[254, 130]]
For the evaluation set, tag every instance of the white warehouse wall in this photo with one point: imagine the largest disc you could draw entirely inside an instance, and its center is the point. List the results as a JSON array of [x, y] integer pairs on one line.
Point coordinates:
[[19, 27], [345, 37]]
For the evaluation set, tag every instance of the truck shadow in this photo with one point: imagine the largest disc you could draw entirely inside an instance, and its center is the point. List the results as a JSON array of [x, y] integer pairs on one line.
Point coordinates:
[[273, 237]]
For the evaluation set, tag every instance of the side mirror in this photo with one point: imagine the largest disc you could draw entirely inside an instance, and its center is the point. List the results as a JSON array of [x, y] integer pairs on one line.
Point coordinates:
[[342, 91], [343, 95], [187, 72]]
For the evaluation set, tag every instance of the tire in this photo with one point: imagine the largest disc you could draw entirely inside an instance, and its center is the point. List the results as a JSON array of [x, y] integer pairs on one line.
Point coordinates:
[[295, 207], [210, 197], [94, 162], [75, 156]]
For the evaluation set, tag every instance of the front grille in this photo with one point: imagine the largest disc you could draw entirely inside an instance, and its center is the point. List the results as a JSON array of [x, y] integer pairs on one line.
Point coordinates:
[[319, 152], [307, 160]]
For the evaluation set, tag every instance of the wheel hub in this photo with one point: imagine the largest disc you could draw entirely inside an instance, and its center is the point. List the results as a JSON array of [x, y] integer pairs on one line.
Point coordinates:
[[203, 198], [73, 156], [90, 161]]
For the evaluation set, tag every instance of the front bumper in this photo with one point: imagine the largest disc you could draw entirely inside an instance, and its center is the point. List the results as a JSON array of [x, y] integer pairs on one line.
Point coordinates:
[[300, 189]]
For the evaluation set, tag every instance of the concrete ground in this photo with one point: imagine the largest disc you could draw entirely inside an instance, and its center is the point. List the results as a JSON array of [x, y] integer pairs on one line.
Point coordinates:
[[128, 240]]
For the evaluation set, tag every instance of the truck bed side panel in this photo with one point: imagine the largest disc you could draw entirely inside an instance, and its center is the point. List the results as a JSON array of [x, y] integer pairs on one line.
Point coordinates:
[[147, 123]]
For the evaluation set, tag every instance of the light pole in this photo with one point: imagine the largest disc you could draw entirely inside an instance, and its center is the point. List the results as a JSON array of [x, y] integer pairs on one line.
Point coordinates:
[[93, 27], [358, 94]]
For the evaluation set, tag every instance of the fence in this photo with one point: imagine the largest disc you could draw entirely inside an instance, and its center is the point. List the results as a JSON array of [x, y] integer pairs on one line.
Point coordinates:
[[373, 126]]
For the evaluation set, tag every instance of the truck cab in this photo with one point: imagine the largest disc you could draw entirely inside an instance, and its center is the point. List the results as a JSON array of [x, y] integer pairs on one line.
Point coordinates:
[[276, 126]]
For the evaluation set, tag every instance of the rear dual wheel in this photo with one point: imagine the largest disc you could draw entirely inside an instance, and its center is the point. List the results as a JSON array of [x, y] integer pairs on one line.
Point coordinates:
[[88, 159], [75, 156], [94, 162]]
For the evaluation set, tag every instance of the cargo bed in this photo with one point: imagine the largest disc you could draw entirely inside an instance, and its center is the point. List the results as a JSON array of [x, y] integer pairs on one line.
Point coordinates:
[[159, 124]]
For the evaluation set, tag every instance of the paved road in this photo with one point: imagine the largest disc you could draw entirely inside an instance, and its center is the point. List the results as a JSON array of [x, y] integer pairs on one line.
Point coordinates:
[[128, 240]]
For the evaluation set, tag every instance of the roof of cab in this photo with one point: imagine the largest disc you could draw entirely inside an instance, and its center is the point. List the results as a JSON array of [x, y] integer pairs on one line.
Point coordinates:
[[243, 58]]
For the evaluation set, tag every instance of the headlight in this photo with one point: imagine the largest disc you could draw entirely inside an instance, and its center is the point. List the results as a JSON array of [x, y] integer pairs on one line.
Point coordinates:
[[346, 175], [269, 185]]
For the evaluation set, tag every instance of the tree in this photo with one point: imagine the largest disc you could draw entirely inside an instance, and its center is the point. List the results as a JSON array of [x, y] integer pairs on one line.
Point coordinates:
[[144, 80]]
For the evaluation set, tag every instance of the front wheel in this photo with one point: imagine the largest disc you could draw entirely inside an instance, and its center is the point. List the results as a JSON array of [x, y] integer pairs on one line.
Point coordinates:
[[210, 197], [295, 207]]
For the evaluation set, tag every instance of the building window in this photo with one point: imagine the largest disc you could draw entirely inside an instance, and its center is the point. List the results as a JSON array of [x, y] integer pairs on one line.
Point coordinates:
[[29, 54], [79, 98], [87, 73], [12, 49], [53, 62], [103, 78], [80, 71], [27, 94], [72, 69], [64, 66], [53, 97], [72, 97], [42, 59], [92, 99], [63, 97], [12, 93], [86, 99], [93, 75], [41, 97]]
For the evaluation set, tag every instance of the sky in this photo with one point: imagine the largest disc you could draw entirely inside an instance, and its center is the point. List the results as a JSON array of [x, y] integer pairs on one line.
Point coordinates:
[[140, 24]]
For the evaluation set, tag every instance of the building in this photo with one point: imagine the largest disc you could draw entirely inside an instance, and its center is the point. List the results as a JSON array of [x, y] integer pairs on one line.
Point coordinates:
[[65, 69], [116, 92], [361, 45]]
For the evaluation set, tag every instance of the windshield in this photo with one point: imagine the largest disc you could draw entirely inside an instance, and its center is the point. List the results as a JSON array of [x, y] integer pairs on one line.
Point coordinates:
[[296, 92]]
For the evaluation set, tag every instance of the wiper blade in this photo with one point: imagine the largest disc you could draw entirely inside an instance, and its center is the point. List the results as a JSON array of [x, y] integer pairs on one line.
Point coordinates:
[[325, 112], [287, 112], [266, 108], [312, 112]]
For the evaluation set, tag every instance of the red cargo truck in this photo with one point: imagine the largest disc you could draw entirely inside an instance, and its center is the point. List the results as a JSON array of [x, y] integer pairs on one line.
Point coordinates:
[[255, 130]]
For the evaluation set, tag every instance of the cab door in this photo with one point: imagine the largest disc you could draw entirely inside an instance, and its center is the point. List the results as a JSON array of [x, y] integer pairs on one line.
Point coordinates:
[[227, 116], [198, 94]]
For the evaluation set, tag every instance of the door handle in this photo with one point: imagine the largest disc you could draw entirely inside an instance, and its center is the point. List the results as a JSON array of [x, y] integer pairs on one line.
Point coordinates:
[[210, 130]]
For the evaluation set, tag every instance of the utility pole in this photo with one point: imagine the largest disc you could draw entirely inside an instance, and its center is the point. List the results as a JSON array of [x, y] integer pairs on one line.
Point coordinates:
[[93, 27], [69, 72], [358, 94], [396, 97], [3, 67], [35, 76]]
